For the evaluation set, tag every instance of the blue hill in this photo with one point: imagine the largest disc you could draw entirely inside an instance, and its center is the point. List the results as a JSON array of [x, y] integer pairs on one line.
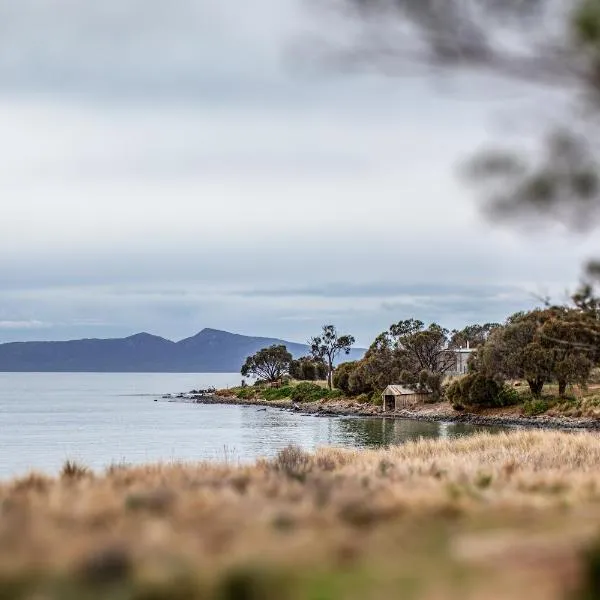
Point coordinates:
[[209, 351]]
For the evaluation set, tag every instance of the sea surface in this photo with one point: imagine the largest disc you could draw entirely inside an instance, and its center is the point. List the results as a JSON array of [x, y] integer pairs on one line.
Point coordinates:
[[100, 419]]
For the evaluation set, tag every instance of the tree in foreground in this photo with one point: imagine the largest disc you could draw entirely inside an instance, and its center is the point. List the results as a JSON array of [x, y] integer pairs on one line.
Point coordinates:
[[269, 364], [552, 44], [328, 346]]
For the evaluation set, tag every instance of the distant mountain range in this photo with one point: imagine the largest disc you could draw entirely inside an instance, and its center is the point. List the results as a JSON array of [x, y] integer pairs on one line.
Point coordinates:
[[210, 351]]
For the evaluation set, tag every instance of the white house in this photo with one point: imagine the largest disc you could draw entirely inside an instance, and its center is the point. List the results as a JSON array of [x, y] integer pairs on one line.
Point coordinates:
[[462, 360]]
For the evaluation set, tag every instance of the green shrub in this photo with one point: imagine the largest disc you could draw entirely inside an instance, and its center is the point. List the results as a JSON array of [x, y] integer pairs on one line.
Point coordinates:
[[456, 393], [477, 391], [308, 392], [247, 393], [363, 399], [308, 369], [508, 396], [483, 392], [537, 406], [341, 375], [376, 399], [277, 393]]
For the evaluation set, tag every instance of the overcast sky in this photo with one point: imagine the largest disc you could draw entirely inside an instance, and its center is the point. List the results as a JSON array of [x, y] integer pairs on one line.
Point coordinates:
[[173, 166]]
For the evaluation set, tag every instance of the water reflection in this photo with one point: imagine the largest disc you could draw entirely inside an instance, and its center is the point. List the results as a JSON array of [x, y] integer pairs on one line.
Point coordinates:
[[385, 432], [261, 432]]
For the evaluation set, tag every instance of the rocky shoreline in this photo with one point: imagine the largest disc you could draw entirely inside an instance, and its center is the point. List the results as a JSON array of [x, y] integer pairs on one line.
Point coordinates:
[[431, 412]]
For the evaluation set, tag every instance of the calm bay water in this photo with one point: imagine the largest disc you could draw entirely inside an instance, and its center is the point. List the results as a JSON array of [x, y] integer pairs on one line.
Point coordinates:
[[104, 418]]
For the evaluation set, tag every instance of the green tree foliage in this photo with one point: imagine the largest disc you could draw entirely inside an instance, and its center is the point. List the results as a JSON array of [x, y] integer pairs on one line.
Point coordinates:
[[428, 382], [269, 364], [572, 338], [422, 348], [420, 356], [554, 344], [308, 369], [475, 390], [328, 346], [472, 335], [341, 376], [409, 353]]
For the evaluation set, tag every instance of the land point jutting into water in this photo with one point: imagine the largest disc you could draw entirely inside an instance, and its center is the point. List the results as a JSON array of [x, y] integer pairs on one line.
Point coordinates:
[[538, 368], [580, 410]]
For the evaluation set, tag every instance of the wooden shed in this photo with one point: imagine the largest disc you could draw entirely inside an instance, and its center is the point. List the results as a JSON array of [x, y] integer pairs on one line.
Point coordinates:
[[396, 397]]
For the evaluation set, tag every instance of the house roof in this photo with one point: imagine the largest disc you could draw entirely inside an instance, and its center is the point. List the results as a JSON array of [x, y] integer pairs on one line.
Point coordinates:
[[398, 390]]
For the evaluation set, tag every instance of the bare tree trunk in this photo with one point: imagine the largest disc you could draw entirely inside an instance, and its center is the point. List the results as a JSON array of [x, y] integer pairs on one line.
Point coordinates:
[[330, 374], [536, 386], [562, 388]]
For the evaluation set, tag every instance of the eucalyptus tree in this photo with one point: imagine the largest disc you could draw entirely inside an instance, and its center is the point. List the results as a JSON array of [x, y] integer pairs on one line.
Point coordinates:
[[269, 364], [328, 346]]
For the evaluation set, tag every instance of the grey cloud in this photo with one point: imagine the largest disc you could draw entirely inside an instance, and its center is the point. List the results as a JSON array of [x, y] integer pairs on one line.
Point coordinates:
[[286, 163], [248, 200], [392, 288], [24, 325], [119, 310], [134, 47]]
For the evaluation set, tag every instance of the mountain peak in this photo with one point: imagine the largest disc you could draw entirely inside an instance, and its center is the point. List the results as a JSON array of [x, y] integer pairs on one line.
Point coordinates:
[[209, 351], [144, 336], [140, 336]]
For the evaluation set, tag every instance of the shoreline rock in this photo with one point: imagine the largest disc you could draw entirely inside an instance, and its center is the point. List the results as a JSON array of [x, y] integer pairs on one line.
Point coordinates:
[[431, 413]]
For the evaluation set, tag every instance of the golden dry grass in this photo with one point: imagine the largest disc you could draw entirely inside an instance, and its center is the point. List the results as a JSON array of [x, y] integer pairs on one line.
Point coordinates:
[[488, 516]]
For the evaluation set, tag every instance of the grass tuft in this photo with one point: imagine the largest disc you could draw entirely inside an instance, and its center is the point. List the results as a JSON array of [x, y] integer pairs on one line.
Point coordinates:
[[294, 462], [73, 470]]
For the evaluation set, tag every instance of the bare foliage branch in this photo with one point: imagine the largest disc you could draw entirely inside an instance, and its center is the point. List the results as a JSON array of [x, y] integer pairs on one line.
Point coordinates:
[[525, 39], [563, 184]]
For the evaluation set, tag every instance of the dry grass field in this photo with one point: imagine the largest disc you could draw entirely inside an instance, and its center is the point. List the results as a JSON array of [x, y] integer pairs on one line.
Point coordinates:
[[490, 516]]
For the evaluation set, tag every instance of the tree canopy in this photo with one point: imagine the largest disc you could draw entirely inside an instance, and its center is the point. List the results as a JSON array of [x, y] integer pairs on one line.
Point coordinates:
[[409, 353], [269, 364], [472, 335], [328, 346], [308, 369], [541, 346]]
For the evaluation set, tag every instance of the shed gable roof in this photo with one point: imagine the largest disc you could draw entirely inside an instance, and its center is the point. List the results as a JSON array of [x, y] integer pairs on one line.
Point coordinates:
[[398, 390]]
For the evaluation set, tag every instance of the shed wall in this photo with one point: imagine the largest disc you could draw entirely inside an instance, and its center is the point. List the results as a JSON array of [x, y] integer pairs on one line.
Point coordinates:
[[400, 401]]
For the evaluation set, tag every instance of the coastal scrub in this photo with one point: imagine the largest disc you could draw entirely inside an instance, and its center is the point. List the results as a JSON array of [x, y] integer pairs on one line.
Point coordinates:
[[512, 515]]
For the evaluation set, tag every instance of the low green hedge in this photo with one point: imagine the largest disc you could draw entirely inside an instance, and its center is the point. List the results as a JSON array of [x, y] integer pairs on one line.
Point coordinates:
[[303, 392]]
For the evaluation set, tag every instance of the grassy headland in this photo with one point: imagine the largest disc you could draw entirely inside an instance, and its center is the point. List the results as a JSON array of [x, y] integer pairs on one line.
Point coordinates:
[[489, 516], [581, 408]]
